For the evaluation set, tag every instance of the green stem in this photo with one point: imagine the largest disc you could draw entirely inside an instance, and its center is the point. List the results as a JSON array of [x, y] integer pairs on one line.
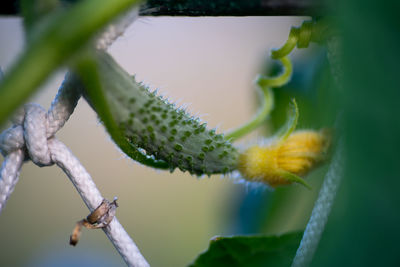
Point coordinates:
[[53, 46], [310, 31], [288, 46], [280, 80], [265, 84], [266, 107], [315, 31]]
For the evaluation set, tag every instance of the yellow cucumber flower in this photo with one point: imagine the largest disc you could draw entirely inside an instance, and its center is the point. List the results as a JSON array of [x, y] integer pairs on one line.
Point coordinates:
[[287, 157], [283, 161]]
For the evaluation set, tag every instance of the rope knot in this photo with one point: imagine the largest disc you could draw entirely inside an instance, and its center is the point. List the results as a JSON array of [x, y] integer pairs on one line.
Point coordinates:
[[29, 133]]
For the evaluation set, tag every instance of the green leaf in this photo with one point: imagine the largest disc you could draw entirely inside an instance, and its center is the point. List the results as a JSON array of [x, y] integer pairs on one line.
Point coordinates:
[[56, 43], [363, 229], [291, 123], [250, 251], [34, 11], [265, 85], [295, 179]]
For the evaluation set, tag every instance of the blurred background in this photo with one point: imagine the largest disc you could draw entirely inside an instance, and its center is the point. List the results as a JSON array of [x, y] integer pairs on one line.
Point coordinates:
[[208, 65]]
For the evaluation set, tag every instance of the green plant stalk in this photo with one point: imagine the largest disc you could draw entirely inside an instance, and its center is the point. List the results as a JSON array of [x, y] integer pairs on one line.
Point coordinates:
[[265, 110], [310, 31], [280, 80], [53, 46], [265, 84], [251, 250], [288, 46], [34, 11]]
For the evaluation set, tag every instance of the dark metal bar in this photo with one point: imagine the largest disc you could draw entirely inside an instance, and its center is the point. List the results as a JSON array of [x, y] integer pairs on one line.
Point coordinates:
[[215, 7], [234, 7], [9, 7]]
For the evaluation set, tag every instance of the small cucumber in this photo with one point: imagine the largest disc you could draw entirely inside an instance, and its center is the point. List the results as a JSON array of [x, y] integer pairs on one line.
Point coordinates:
[[158, 127]]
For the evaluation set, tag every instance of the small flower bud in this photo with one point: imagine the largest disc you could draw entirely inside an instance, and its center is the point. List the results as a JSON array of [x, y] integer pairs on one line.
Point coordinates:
[[284, 160]]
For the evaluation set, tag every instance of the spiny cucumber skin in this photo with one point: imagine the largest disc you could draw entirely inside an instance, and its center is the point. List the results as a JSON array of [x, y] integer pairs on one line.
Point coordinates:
[[162, 130]]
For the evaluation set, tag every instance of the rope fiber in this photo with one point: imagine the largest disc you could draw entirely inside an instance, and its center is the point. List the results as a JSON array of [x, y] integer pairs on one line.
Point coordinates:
[[321, 211]]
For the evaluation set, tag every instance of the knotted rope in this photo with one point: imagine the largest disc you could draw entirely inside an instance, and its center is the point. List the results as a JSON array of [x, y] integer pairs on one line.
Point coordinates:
[[32, 137]]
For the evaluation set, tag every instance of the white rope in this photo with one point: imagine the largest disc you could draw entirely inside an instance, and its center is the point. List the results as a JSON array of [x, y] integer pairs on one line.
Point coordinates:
[[35, 129], [321, 211], [33, 132], [32, 137], [92, 197], [9, 174], [115, 30]]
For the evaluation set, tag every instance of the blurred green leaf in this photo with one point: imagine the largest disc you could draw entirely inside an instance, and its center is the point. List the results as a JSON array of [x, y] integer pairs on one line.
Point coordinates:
[[363, 229], [291, 122], [34, 11], [250, 251], [54, 44]]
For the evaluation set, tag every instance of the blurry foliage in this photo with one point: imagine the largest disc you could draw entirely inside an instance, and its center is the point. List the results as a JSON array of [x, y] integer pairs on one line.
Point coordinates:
[[53, 41], [363, 229], [240, 251]]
